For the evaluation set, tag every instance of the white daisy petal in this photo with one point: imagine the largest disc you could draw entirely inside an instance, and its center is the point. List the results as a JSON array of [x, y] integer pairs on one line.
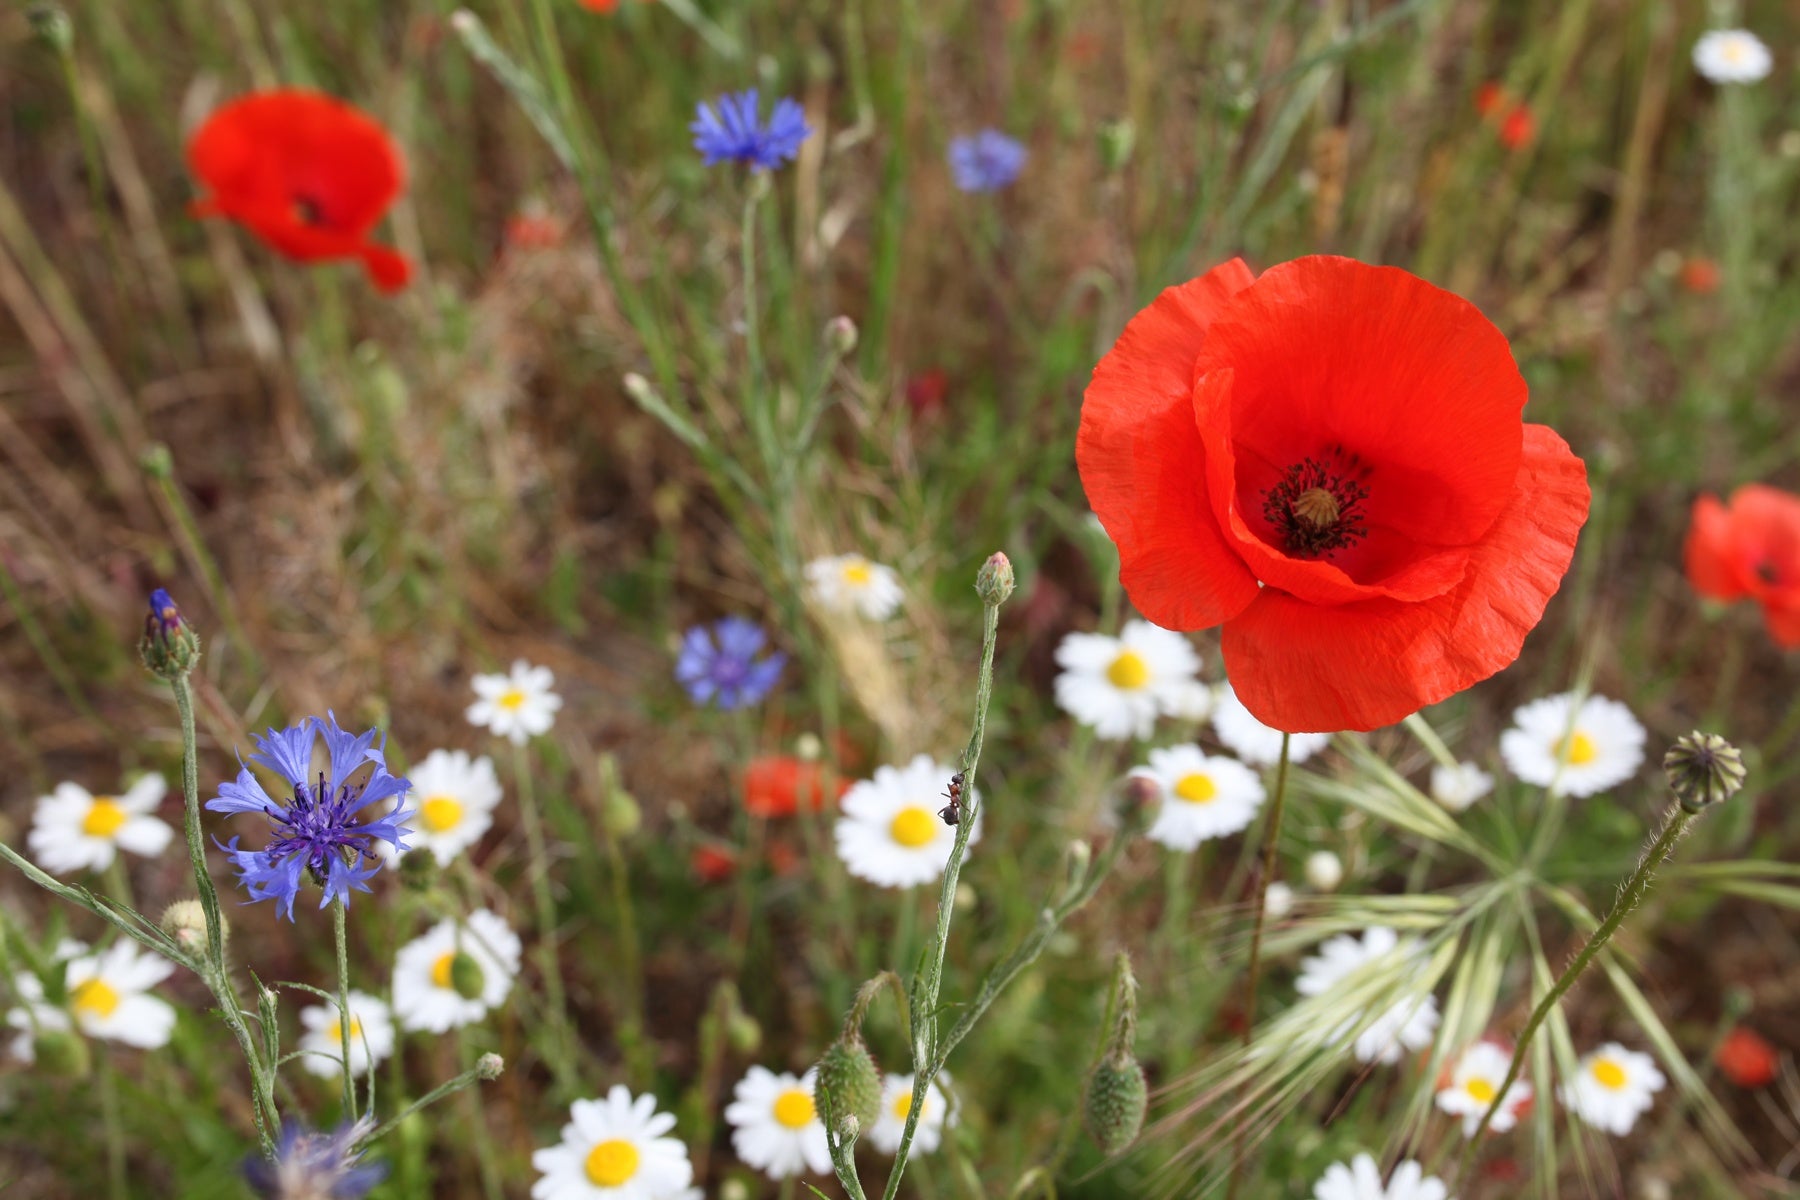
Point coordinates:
[[109, 995], [896, 1106], [890, 832], [1612, 1088], [775, 1126], [1360, 1179], [518, 705], [425, 994], [73, 830], [1575, 750], [850, 583], [1119, 686], [1407, 1024], [1202, 797], [1254, 742], [371, 1036], [1732, 56], [613, 1149], [1457, 787], [1475, 1080]]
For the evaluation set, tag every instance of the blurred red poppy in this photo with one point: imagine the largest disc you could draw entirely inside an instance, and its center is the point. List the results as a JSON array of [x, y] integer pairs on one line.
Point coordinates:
[[1750, 549], [1329, 462], [779, 786], [600, 6], [533, 231], [1518, 128], [713, 864], [1489, 97], [308, 174], [925, 392], [1746, 1059], [1701, 276]]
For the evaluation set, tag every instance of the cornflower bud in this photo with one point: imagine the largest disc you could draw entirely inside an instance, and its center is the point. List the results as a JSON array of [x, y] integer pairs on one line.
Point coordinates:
[[840, 334], [1703, 769], [169, 647], [489, 1066], [994, 582]]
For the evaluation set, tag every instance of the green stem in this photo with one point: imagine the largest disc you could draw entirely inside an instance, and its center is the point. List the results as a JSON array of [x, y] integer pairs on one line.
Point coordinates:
[[437, 1093], [115, 1130], [1253, 975], [549, 959], [630, 967], [478, 1124], [343, 991], [1630, 896], [160, 467]]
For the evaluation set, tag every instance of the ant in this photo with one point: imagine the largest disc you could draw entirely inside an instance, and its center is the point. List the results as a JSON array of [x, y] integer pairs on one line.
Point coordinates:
[[951, 813]]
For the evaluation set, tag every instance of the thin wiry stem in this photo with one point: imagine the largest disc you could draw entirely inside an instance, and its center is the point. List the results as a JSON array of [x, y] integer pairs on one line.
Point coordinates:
[[549, 958], [1253, 975], [343, 995]]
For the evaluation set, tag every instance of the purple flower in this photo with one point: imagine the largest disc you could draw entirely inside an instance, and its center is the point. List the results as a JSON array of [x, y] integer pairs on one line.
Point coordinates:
[[164, 618], [317, 831], [719, 663], [985, 161], [733, 133], [315, 1166]]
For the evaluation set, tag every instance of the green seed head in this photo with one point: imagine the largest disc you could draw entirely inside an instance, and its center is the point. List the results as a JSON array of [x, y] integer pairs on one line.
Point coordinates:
[[466, 977], [848, 1083], [1703, 770], [62, 1054], [1117, 1097]]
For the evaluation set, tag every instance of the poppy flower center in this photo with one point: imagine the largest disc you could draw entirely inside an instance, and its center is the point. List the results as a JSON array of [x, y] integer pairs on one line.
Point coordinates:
[[307, 211], [1315, 510], [1608, 1074], [794, 1110], [612, 1163], [1766, 572]]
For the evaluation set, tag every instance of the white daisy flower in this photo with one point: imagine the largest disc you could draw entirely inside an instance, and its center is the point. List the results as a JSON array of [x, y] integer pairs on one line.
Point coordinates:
[[1202, 797], [1577, 751], [1191, 701], [371, 1036], [109, 995], [1406, 1025], [1732, 56], [519, 705], [890, 833], [896, 1104], [1612, 1088], [774, 1126], [35, 1015], [1324, 871], [433, 991], [73, 830], [1360, 1179], [453, 799], [845, 583], [1460, 786], [615, 1149], [1254, 742], [1474, 1082], [1119, 686]]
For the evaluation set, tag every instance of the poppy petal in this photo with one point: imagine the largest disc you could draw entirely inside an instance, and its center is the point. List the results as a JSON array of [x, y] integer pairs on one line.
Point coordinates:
[[1310, 669], [1140, 458], [1711, 552], [388, 268]]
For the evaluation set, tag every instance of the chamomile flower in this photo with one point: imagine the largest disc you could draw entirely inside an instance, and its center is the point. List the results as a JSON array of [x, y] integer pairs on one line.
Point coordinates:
[[371, 1036], [1732, 56], [1119, 686], [35, 1015], [74, 830], [109, 995], [615, 1148], [890, 833], [845, 583], [896, 1106], [518, 705], [1578, 751], [1202, 797], [1254, 742], [774, 1125], [1360, 1179], [1612, 1088], [1324, 871], [1474, 1082], [1459, 786], [1407, 1024], [455, 973], [453, 798]]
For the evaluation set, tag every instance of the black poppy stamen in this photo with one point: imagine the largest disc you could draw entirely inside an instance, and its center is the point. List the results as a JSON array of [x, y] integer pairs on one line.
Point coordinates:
[[1315, 510]]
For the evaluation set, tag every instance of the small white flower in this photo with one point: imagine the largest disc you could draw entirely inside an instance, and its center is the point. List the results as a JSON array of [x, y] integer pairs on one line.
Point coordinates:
[[774, 1126], [519, 705], [615, 1149], [35, 1015], [1460, 786], [890, 833], [425, 992], [1732, 56], [453, 799], [1612, 1088], [73, 830], [1324, 871], [1360, 1179], [1254, 742], [1406, 1025], [896, 1104], [1577, 751], [845, 583], [371, 1036], [1474, 1082], [1192, 701], [109, 997], [1202, 797], [1119, 686], [1278, 900]]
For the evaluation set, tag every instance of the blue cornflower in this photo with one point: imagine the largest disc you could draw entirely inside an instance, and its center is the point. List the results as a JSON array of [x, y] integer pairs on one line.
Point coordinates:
[[732, 132], [985, 161], [720, 663], [317, 831], [315, 1166]]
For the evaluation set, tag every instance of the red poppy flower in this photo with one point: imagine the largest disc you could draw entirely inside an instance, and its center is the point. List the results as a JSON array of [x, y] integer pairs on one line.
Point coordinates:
[[1518, 128], [713, 864], [1700, 276], [533, 231], [1746, 1059], [306, 173], [1489, 98], [600, 6], [780, 786], [925, 392], [1750, 548], [1329, 461]]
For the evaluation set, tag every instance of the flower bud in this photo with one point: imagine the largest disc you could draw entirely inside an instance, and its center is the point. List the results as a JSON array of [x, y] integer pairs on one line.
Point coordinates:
[[743, 1032], [994, 582], [1116, 141], [418, 870], [1703, 769], [489, 1066], [1138, 802], [848, 1084], [62, 1054], [840, 334], [185, 921], [1324, 870], [51, 23], [466, 978], [808, 747], [169, 647], [734, 1189], [621, 814], [1278, 900], [1117, 1097]]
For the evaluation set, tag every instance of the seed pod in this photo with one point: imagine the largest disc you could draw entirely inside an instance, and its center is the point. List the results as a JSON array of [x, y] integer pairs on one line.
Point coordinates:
[[1703, 769], [848, 1083], [1117, 1097], [466, 976], [62, 1054]]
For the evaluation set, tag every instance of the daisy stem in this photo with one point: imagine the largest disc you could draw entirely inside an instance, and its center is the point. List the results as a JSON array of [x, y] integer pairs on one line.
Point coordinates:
[[343, 992], [115, 1132], [1253, 974], [549, 964], [1630, 896], [474, 1111]]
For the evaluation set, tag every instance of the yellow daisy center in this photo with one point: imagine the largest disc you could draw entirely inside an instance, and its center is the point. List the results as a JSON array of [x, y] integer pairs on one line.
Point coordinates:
[[336, 1031], [912, 828], [1733, 51], [512, 700], [104, 818], [1129, 671], [1578, 749], [612, 1163], [1481, 1090], [440, 813], [902, 1105], [794, 1109], [1197, 788], [96, 998], [1608, 1074], [440, 970], [857, 573]]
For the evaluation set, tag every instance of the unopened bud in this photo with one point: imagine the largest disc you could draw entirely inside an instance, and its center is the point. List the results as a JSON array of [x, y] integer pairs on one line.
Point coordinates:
[[848, 1085], [743, 1032], [734, 1189], [466, 978], [1076, 859], [621, 813], [1703, 769], [489, 1066], [994, 582], [1139, 800], [1117, 1097], [185, 921], [418, 870], [62, 1053], [1278, 900], [840, 334], [1116, 141], [808, 747], [1324, 870], [639, 388], [51, 23], [169, 647]]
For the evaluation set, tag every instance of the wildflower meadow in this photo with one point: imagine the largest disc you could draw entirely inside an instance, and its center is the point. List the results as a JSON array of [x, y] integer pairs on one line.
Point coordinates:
[[959, 599]]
